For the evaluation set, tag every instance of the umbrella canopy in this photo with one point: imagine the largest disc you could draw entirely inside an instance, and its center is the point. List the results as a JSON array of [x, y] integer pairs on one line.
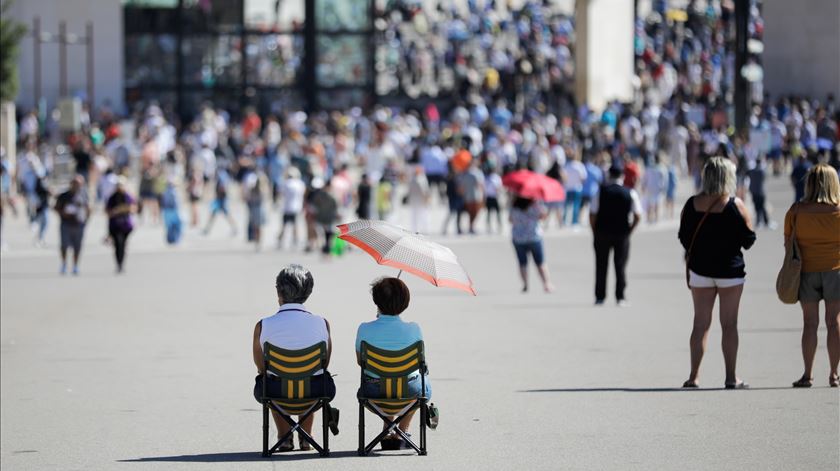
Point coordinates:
[[396, 247], [535, 186]]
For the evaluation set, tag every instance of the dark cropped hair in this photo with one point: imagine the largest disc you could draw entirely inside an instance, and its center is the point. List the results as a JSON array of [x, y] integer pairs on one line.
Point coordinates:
[[390, 295]]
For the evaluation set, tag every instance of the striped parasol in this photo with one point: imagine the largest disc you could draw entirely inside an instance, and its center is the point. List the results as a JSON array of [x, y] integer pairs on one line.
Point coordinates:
[[396, 247]]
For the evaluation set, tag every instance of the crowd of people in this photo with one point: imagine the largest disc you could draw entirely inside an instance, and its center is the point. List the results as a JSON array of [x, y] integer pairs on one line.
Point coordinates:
[[620, 167], [309, 171]]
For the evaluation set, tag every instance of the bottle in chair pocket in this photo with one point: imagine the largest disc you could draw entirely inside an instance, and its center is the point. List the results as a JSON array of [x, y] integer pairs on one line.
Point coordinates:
[[433, 416]]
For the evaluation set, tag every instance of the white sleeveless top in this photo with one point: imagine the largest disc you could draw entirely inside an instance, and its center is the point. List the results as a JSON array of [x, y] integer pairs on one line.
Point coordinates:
[[294, 328]]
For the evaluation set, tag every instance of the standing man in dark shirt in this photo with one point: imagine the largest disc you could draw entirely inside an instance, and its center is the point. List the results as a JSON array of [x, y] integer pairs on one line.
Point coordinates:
[[613, 215], [81, 154], [797, 176], [363, 198], [73, 207]]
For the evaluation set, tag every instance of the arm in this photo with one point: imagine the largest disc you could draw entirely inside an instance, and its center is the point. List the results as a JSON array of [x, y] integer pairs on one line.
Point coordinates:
[[329, 344], [742, 208], [637, 210], [257, 349], [748, 235]]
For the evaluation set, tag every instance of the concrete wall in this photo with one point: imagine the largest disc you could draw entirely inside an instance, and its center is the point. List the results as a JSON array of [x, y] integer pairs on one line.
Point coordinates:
[[603, 51], [106, 16], [802, 47]]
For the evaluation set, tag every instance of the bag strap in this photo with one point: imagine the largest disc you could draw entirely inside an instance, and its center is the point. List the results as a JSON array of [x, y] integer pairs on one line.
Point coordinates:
[[697, 229]]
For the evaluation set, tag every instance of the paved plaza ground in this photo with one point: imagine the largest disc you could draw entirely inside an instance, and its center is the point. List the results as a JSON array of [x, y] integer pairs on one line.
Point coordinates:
[[153, 370]]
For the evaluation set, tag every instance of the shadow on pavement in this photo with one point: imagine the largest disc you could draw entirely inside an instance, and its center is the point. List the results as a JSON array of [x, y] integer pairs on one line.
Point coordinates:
[[642, 390], [239, 457]]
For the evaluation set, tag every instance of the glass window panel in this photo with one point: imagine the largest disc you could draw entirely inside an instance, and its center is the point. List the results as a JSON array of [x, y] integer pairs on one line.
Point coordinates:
[[332, 15], [274, 15], [150, 3], [150, 60], [274, 60], [341, 99], [212, 60], [138, 99], [212, 15], [193, 101], [342, 60], [137, 19], [277, 102]]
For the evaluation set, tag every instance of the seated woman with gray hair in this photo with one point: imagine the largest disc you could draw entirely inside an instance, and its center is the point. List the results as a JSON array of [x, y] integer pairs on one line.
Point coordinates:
[[292, 327]]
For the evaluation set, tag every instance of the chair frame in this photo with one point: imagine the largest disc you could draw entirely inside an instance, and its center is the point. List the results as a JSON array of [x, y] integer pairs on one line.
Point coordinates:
[[308, 405], [410, 403]]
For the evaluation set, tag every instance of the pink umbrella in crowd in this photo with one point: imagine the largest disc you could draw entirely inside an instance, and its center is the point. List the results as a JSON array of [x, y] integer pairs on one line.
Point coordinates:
[[535, 186], [396, 247]]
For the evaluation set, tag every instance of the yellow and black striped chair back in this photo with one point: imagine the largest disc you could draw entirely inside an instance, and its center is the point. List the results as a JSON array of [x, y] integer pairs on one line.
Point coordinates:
[[393, 367], [294, 370]]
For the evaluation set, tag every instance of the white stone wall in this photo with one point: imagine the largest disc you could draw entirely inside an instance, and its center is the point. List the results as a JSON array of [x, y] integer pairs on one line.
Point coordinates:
[[802, 47], [604, 52], [106, 16]]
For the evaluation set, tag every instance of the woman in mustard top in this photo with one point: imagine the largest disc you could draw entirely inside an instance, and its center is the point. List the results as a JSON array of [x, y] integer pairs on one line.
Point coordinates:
[[818, 235]]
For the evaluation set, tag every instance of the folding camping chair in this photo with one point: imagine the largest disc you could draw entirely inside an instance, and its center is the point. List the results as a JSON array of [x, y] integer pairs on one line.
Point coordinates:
[[294, 370], [394, 369]]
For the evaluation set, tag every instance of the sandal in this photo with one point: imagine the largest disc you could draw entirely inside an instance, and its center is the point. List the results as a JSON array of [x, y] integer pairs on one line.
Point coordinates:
[[804, 382], [738, 385], [288, 445], [690, 384], [303, 445], [834, 381]]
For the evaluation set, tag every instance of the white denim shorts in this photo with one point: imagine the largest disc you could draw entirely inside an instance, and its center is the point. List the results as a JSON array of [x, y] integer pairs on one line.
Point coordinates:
[[700, 281]]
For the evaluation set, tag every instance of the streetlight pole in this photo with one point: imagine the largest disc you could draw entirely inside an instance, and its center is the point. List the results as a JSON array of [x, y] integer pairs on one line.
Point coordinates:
[[742, 86], [36, 56], [62, 59], [90, 84]]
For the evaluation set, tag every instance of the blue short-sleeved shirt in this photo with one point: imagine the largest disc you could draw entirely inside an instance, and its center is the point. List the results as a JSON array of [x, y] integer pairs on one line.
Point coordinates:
[[388, 333]]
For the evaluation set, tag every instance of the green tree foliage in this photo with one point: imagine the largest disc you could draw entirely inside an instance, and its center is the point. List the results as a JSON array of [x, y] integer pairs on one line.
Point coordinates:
[[11, 33]]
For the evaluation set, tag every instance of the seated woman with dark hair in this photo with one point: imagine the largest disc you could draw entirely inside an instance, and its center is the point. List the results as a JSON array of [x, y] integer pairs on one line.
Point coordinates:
[[390, 332]]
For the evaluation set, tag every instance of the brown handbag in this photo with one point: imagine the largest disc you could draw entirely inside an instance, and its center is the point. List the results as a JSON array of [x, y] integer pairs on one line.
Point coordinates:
[[787, 282], [691, 245]]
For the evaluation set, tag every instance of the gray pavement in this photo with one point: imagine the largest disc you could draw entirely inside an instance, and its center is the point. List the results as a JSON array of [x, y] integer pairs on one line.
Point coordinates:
[[152, 369]]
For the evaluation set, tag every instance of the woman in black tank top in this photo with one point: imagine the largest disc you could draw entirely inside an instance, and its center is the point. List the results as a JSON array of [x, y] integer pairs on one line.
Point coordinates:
[[714, 228]]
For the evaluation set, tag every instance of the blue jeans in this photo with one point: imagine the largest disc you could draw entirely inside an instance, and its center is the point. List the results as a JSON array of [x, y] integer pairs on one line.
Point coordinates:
[[523, 248], [573, 199], [370, 387]]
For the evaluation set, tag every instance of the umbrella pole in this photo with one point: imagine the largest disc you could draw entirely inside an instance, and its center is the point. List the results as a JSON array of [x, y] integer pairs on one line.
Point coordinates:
[[398, 274]]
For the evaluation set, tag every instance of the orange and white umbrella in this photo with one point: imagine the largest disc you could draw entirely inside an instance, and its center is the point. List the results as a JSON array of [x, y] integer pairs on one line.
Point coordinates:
[[393, 246]]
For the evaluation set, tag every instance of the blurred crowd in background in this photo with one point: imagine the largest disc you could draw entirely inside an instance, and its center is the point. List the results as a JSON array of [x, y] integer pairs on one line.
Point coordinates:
[[511, 78]]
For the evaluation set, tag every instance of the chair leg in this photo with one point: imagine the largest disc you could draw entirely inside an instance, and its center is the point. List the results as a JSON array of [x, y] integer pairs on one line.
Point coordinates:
[[265, 430], [361, 429], [325, 426], [424, 416]]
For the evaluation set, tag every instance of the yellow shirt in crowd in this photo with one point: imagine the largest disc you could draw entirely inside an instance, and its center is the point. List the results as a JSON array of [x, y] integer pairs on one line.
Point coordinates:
[[818, 236]]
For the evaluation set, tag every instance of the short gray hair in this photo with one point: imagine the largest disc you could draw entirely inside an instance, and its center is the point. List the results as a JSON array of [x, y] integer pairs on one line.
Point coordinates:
[[718, 177], [294, 284]]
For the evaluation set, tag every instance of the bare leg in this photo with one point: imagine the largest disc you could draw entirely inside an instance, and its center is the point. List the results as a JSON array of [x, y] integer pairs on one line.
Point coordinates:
[[811, 321], [282, 425], [704, 302], [406, 421], [523, 273], [730, 298], [832, 319], [543, 271]]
